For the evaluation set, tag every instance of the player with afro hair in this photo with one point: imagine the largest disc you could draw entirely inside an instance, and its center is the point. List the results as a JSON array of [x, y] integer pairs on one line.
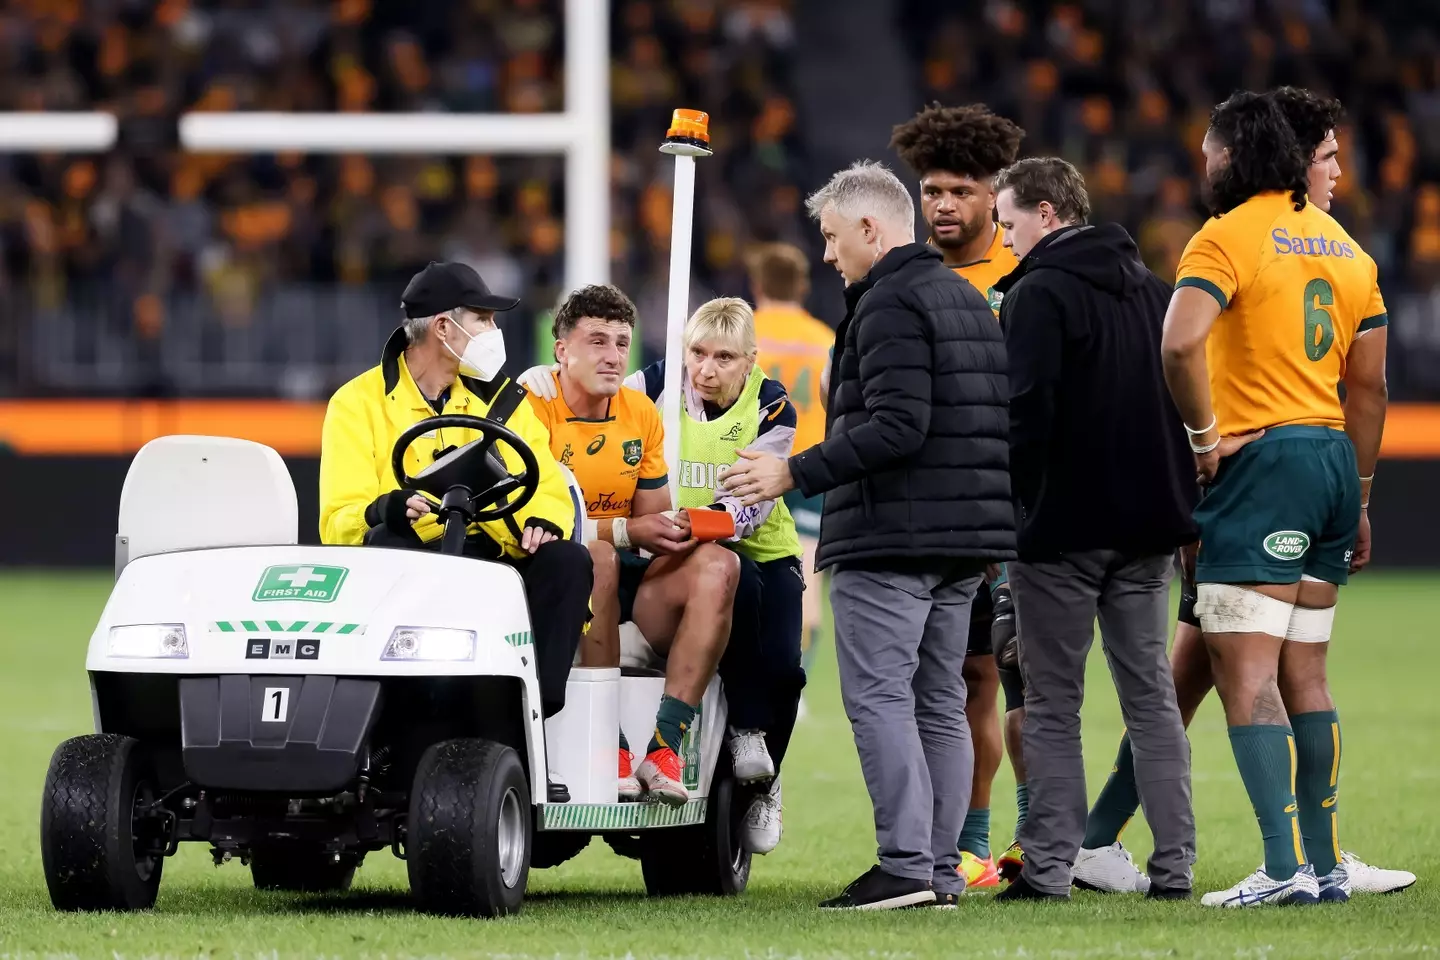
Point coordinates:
[[956, 152]]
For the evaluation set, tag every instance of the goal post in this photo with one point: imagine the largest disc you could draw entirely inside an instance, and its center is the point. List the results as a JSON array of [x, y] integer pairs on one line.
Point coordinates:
[[580, 133]]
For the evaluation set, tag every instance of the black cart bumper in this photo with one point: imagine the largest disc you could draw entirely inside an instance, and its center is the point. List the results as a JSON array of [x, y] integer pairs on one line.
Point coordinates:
[[300, 734]]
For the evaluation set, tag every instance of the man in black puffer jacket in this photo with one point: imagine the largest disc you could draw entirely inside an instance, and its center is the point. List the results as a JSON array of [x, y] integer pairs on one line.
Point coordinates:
[[914, 469]]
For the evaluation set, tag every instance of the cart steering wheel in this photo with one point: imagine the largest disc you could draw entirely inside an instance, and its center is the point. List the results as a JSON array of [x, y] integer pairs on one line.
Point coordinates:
[[470, 478]]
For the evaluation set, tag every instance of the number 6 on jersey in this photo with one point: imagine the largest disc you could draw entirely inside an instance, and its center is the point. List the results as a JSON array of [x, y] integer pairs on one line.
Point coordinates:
[[1318, 295]]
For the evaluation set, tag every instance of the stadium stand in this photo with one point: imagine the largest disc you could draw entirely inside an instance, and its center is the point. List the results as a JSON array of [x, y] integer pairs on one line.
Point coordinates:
[[149, 271], [155, 272]]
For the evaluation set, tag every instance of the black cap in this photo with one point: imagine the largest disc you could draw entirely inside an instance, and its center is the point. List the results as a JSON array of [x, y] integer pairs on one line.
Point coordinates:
[[445, 286]]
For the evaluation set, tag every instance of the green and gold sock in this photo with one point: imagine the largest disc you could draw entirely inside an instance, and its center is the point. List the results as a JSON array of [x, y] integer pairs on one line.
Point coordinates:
[[1265, 754], [671, 721], [1117, 802], [1317, 761], [975, 834]]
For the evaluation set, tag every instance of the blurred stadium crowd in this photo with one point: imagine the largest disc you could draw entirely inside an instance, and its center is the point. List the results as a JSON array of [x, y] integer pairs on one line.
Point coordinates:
[[154, 271]]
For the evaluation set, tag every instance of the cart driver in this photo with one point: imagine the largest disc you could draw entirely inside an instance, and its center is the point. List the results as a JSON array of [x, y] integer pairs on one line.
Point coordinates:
[[681, 600], [446, 358]]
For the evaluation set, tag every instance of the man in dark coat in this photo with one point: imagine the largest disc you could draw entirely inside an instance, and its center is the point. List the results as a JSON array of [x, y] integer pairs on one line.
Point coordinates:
[[1106, 484], [914, 469]]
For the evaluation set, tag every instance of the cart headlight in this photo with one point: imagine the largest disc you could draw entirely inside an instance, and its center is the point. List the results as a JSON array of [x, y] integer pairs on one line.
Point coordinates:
[[154, 641], [430, 643]]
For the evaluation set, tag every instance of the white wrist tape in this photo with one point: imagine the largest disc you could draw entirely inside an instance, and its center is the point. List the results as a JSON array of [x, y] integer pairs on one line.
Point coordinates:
[[1308, 625], [589, 530], [1203, 430], [618, 534], [1226, 608], [1203, 448]]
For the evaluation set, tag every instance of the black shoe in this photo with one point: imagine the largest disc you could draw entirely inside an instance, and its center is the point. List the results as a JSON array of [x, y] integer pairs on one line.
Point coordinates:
[[877, 890], [557, 792], [946, 901], [1168, 893], [1020, 889]]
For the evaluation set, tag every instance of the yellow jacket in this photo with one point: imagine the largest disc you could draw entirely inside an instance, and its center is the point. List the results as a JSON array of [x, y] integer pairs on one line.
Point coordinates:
[[367, 415]]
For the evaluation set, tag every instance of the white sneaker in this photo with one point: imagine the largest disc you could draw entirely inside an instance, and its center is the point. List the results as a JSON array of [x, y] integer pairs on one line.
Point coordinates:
[[1367, 879], [749, 757], [1335, 885], [1109, 870], [761, 829], [1259, 889]]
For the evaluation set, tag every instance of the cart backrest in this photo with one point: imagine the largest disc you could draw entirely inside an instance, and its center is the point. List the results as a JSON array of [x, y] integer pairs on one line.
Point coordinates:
[[191, 492], [577, 497]]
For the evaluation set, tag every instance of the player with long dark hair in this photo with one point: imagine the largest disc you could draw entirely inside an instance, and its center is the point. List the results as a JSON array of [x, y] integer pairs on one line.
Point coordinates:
[[1103, 862], [1288, 469]]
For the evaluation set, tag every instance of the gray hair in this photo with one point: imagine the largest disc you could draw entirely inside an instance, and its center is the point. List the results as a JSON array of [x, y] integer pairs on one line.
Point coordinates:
[[417, 327], [865, 189]]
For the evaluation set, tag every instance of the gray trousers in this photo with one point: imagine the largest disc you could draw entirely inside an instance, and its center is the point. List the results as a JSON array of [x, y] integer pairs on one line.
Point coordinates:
[[900, 641], [1056, 604]]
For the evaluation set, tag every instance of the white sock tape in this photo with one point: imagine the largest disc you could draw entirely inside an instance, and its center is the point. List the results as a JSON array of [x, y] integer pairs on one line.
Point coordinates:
[[618, 534], [1309, 625], [1226, 608]]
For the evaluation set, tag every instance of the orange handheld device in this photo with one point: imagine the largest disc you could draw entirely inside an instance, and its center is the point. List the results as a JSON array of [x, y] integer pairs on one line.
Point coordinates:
[[707, 525]]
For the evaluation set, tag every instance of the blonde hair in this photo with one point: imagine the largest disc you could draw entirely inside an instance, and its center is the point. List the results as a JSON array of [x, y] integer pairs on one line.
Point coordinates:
[[726, 319]]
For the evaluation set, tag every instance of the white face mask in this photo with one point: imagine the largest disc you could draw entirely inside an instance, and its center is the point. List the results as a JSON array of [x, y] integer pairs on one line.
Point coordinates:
[[484, 355]]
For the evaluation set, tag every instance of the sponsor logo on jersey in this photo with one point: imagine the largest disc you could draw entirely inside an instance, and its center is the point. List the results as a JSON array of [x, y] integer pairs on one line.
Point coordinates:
[[596, 445], [1287, 544], [608, 503], [1310, 246]]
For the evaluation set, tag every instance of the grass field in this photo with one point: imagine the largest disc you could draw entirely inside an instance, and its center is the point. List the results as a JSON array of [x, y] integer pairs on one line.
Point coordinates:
[[1385, 667]]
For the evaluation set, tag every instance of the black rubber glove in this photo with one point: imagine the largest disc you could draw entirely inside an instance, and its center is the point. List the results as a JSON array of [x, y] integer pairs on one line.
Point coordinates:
[[388, 510], [540, 523]]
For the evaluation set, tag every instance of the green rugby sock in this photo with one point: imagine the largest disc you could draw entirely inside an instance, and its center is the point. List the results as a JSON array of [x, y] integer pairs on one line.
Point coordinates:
[[671, 721], [1317, 762], [1117, 803], [1265, 754], [1022, 805], [975, 834]]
